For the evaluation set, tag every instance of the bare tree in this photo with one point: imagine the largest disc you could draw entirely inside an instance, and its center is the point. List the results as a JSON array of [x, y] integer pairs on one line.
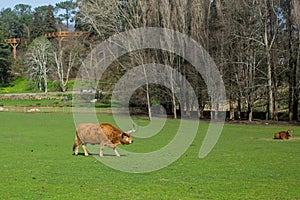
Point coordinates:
[[258, 35], [244, 57], [38, 60], [168, 16], [66, 58], [269, 24], [103, 16]]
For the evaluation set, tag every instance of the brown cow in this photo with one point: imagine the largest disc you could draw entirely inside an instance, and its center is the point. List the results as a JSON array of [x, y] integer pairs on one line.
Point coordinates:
[[104, 134], [283, 135]]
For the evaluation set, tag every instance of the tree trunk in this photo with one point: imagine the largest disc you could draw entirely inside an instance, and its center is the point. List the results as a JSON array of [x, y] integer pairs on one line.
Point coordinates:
[[275, 89], [290, 100], [147, 95], [148, 103], [291, 61], [40, 85], [239, 111], [295, 84], [275, 100], [250, 113], [46, 85], [173, 96], [231, 109], [270, 89]]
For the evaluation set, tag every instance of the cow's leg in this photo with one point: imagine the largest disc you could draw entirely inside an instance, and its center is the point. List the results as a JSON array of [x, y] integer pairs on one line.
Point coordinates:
[[76, 150], [76, 144], [101, 150], [116, 152], [84, 149], [114, 147]]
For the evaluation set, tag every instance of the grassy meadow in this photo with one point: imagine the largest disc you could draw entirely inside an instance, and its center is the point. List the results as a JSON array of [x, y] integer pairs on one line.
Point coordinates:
[[37, 163]]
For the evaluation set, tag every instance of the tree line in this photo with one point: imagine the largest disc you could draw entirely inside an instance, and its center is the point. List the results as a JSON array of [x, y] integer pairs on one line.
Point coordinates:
[[255, 44]]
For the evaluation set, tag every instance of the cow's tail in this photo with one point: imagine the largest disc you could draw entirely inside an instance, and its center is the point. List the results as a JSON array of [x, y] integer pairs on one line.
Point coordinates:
[[76, 142], [74, 145]]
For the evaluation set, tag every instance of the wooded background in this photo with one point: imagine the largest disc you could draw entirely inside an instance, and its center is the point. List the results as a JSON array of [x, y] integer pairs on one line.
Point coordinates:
[[255, 44]]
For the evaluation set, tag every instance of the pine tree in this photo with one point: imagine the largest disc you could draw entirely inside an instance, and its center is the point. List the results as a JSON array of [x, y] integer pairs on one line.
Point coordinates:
[[50, 22], [44, 21], [5, 61]]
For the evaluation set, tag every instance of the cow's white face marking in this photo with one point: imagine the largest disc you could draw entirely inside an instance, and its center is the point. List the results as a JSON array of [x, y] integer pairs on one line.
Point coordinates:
[[127, 140]]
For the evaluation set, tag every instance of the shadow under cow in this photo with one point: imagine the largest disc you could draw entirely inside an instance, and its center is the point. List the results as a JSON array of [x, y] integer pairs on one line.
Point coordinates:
[[97, 154]]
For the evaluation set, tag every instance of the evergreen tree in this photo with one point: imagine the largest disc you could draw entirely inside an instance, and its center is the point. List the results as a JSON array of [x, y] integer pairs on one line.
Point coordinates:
[[44, 21], [5, 61], [50, 22], [37, 28], [10, 23], [69, 12], [25, 18]]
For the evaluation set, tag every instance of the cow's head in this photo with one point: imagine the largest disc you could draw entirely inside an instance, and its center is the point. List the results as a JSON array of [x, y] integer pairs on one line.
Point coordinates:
[[289, 133], [126, 139]]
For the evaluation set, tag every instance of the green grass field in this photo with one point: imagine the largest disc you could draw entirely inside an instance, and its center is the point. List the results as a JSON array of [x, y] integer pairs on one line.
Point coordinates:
[[37, 163]]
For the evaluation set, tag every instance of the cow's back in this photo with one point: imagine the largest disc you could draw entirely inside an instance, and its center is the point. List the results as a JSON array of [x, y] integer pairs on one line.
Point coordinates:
[[283, 135], [91, 133], [113, 134]]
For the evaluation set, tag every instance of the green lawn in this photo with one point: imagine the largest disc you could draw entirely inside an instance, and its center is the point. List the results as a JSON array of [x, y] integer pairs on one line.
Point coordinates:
[[37, 163]]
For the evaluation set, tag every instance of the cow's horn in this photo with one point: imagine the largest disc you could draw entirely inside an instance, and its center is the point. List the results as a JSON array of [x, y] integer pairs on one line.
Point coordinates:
[[133, 130]]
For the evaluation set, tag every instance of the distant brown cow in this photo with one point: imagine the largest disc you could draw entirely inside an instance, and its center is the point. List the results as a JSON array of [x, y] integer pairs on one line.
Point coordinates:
[[104, 134], [283, 135]]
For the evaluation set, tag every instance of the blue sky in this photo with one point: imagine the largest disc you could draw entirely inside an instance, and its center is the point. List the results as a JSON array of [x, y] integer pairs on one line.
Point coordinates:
[[33, 3]]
